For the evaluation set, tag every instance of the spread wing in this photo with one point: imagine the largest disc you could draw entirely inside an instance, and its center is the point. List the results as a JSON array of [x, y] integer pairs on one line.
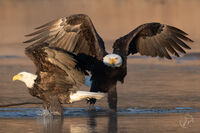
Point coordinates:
[[153, 39], [75, 34], [56, 62]]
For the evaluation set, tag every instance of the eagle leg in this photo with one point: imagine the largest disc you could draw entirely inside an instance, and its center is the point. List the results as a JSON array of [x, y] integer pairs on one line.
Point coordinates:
[[112, 98], [91, 101], [54, 106]]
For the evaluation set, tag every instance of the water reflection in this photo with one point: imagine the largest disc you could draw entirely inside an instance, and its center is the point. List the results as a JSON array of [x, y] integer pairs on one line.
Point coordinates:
[[79, 120], [112, 123], [108, 123], [52, 124], [91, 124]]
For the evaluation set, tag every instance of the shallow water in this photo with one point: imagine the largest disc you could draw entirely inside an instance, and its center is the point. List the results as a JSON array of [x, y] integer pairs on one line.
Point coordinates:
[[79, 120]]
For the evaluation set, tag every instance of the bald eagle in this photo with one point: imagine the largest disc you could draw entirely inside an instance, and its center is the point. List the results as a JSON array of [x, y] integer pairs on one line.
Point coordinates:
[[57, 79], [77, 36]]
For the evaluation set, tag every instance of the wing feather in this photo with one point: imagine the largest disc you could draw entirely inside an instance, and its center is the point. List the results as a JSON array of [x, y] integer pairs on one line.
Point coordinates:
[[153, 39], [174, 29], [176, 46], [162, 47], [67, 32], [48, 58], [67, 63], [157, 47], [180, 42], [150, 48]]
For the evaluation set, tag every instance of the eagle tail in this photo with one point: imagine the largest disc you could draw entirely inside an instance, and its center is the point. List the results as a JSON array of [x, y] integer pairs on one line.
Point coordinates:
[[81, 95]]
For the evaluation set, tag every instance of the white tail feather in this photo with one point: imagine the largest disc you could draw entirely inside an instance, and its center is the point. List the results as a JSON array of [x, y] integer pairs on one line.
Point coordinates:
[[81, 95]]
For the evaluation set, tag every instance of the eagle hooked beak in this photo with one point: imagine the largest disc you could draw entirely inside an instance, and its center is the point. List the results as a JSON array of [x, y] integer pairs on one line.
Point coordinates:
[[16, 77], [112, 61]]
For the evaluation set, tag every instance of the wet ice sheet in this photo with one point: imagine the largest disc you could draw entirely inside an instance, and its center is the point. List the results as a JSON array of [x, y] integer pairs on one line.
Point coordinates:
[[75, 112]]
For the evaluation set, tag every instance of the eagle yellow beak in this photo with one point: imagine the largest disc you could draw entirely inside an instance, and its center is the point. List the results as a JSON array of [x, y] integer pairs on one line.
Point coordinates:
[[16, 77], [112, 61]]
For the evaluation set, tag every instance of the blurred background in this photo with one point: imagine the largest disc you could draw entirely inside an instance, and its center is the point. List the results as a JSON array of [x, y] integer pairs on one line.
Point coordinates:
[[112, 18]]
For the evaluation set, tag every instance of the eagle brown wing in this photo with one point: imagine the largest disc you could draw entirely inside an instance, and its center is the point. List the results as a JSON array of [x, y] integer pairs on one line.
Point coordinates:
[[153, 39], [75, 34], [55, 61]]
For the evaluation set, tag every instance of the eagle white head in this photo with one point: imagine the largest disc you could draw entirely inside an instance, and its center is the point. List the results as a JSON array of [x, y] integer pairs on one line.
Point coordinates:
[[112, 60], [27, 78]]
